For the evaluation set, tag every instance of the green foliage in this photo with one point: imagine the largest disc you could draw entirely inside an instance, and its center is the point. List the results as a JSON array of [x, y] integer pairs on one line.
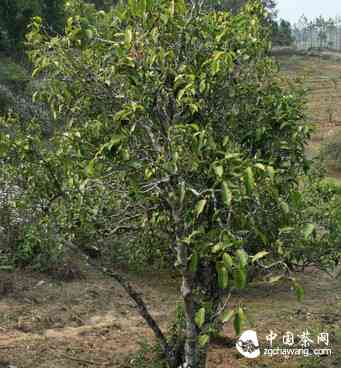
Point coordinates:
[[12, 72], [236, 5], [10, 223], [310, 235], [103, 4], [147, 357], [239, 319], [15, 15], [41, 246], [331, 185], [282, 33], [213, 75], [331, 148], [7, 99], [13, 80]]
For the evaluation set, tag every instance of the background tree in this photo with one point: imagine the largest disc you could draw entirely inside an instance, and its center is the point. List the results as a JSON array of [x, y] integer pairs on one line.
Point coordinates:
[[103, 4], [317, 33], [236, 5], [282, 33], [15, 15]]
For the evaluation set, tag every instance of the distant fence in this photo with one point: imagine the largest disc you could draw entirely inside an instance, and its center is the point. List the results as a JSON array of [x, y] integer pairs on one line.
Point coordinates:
[[318, 34]]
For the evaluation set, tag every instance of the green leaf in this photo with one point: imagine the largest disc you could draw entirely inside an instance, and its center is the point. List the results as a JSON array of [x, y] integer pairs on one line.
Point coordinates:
[[284, 207], [179, 80], [115, 141], [188, 239], [200, 207], [90, 169], [222, 277], [215, 67], [299, 291], [172, 8], [239, 318], [203, 340], [125, 155], [308, 230], [227, 194], [249, 180], [82, 186], [148, 173], [296, 197], [240, 277], [217, 55], [219, 171], [275, 279], [237, 324], [227, 260], [193, 265], [259, 255], [271, 172], [184, 90], [222, 34], [200, 317], [227, 315], [217, 247], [243, 257], [89, 34], [231, 156], [135, 164], [260, 167], [136, 7], [202, 86], [128, 36], [142, 6], [121, 115]]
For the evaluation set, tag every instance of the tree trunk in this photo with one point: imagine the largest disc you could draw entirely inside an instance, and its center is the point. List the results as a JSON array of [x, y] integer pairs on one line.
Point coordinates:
[[191, 343], [191, 358], [192, 349]]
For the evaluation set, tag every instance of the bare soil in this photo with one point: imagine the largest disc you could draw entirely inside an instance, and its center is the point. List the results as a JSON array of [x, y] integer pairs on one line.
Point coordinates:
[[322, 79], [91, 322], [88, 322]]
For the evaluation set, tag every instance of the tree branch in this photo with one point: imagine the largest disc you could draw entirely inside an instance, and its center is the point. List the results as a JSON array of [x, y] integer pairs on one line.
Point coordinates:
[[142, 308]]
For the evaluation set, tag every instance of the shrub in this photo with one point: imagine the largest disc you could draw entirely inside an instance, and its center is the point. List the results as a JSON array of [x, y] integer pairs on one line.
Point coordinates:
[[331, 147]]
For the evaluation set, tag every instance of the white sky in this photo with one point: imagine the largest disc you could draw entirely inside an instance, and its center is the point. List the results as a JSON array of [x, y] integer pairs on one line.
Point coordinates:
[[293, 9]]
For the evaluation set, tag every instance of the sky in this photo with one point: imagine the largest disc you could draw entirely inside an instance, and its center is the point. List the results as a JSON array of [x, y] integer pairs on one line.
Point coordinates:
[[293, 9]]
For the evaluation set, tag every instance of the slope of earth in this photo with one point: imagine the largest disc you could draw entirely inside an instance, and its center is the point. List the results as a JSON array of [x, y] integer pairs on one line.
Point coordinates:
[[92, 323], [45, 323], [321, 76]]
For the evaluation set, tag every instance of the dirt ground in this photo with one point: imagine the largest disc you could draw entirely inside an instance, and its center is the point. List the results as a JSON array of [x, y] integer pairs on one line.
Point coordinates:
[[46, 323], [91, 322], [322, 80]]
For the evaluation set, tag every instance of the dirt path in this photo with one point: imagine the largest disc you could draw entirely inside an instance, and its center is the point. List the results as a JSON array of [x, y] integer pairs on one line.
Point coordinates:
[[92, 323]]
